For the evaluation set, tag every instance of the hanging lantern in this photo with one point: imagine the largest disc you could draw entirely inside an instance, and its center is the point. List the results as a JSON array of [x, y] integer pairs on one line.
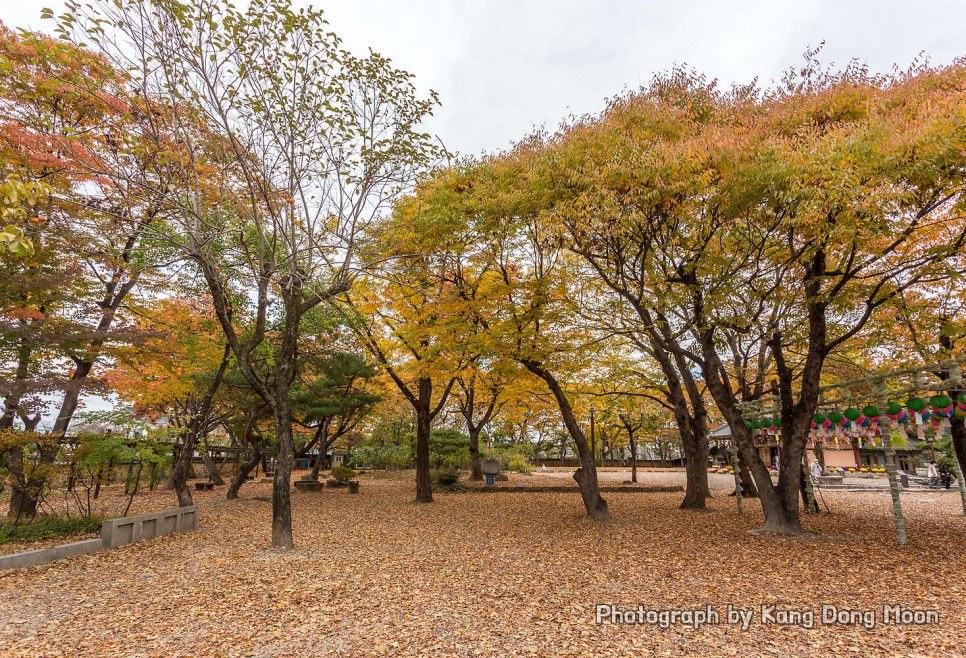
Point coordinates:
[[897, 414], [915, 404], [853, 415], [942, 405], [838, 421], [942, 411], [918, 408], [961, 406], [818, 424]]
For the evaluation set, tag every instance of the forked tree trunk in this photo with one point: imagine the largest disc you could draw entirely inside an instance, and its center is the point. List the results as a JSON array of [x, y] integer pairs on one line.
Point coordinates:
[[179, 472], [244, 470], [211, 467], [586, 474]]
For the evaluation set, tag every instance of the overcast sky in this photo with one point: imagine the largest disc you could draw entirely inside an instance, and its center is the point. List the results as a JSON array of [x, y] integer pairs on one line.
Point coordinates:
[[502, 67]]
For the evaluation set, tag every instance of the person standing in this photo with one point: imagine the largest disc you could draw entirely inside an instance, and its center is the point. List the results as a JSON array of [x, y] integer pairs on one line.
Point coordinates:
[[816, 470], [933, 474]]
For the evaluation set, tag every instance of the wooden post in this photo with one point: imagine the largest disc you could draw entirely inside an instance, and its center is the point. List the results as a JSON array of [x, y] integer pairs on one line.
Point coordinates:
[[960, 479], [737, 471], [811, 505]]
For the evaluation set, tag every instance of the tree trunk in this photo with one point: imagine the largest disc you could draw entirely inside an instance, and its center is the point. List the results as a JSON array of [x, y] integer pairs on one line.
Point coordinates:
[[424, 488], [586, 474], [179, 471], [476, 472], [318, 463], [811, 504], [958, 430], [890, 457], [244, 469], [630, 437], [748, 488], [22, 504], [696, 469], [211, 467], [281, 489]]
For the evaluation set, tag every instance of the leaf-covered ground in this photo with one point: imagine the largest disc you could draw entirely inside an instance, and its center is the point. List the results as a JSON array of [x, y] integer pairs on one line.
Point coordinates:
[[494, 575]]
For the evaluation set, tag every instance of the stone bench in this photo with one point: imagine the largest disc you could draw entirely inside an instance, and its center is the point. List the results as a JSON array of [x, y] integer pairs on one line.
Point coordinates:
[[308, 485], [204, 486], [830, 479]]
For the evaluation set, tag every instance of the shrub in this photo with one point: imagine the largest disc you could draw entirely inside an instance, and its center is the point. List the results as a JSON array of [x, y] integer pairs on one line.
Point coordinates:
[[375, 455], [446, 480], [518, 462], [49, 527], [343, 474], [449, 449]]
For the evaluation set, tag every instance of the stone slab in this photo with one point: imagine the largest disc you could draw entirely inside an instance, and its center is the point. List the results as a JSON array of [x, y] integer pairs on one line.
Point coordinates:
[[308, 485]]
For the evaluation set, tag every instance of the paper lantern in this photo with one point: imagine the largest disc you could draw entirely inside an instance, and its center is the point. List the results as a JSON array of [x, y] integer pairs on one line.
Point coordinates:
[[942, 405], [915, 404]]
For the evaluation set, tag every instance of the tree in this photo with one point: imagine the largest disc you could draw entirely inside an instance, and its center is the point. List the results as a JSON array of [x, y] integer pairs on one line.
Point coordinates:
[[281, 148], [478, 400], [767, 226], [402, 322], [331, 398], [176, 375], [64, 312]]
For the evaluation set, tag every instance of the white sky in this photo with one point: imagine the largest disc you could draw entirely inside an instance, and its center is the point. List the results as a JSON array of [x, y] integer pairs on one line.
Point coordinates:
[[503, 67]]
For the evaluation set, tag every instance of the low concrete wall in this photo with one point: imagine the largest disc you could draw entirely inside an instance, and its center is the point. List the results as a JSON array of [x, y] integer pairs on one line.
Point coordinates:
[[45, 555], [114, 533], [131, 529]]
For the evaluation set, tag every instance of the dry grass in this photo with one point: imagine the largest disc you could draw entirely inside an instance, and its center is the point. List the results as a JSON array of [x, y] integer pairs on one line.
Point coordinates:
[[502, 574]]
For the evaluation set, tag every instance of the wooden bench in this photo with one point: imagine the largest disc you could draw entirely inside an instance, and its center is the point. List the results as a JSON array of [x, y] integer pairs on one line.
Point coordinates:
[[204, 486]]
